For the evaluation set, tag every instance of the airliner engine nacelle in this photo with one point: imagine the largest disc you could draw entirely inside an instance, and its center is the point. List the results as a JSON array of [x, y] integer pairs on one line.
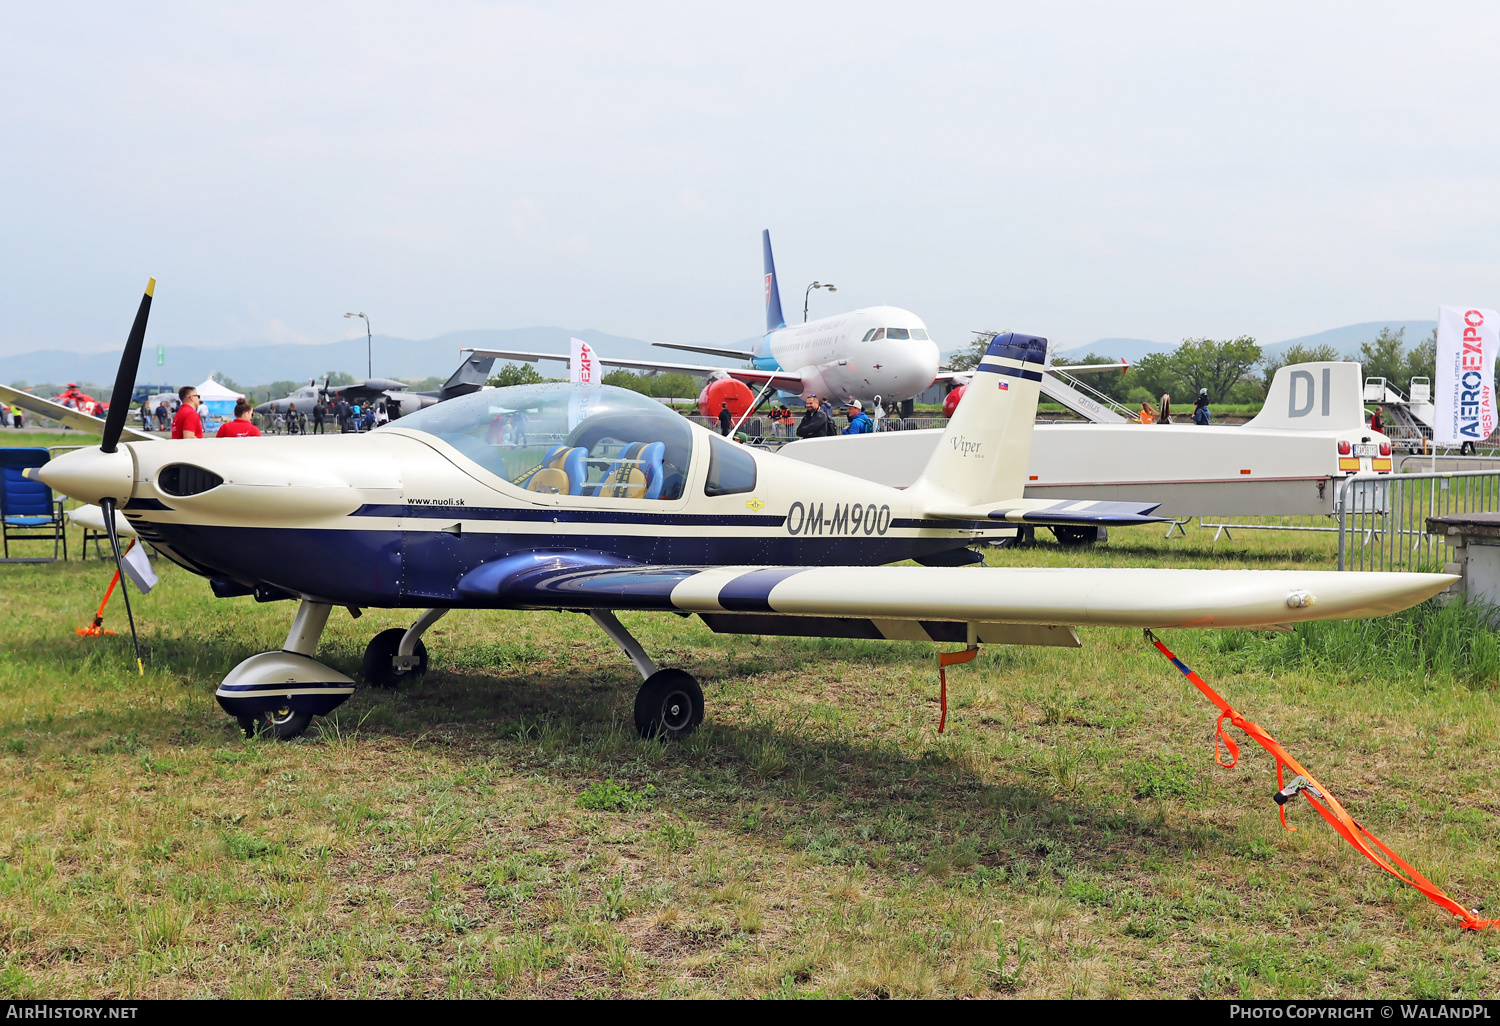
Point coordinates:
[[717, 391], [950, 402]]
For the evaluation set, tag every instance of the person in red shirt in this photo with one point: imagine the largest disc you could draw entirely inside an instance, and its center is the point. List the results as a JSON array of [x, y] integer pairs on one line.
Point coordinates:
[[240, 426], [186, 423]]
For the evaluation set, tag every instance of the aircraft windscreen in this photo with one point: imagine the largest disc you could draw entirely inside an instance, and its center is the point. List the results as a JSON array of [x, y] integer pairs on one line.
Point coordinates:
[[567, 439]]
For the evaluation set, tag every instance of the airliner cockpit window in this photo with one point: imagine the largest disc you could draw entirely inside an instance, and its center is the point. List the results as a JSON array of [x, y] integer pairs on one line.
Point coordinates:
[[919, 333], [879, 334], [566, 439], [897, 333], [869, 334]]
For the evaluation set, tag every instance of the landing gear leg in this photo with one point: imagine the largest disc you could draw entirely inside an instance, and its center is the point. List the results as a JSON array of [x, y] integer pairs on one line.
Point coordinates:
[[398, 653], [670, 702], [278, 693]]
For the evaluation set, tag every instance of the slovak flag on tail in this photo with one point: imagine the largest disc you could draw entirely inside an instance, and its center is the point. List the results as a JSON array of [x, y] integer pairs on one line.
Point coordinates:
[[1005, 386]]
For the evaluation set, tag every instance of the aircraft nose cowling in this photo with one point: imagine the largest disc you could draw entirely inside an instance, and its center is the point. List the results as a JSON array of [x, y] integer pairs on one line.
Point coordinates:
[[90, 474], [248, 481]]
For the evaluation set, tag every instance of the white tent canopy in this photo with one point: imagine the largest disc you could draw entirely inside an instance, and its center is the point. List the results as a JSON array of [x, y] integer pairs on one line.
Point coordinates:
[[211, 391]]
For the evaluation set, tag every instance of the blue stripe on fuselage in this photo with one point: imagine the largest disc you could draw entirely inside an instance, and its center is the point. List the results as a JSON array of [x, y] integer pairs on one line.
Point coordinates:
[[423, 568]]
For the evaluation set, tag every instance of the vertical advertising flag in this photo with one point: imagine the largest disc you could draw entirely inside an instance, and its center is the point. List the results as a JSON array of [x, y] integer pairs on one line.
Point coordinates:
[[583, 371], [1463, 395], [583, 367]]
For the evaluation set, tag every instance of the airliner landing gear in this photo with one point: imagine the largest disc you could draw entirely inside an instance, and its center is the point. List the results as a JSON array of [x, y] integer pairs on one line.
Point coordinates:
[[398, 654], [278, 693], [670, 702]]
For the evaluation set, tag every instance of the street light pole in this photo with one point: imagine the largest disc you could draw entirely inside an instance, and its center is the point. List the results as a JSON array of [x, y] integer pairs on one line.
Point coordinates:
[[808, 292], [370, 344]]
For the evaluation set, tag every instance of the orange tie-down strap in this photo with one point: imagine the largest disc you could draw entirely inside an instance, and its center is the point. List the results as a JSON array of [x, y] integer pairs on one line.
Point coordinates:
[[1318, 796]]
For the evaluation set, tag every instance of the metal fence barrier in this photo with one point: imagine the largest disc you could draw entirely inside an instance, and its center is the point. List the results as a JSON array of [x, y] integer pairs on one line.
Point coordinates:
[[1382, 519], [1226, 526]]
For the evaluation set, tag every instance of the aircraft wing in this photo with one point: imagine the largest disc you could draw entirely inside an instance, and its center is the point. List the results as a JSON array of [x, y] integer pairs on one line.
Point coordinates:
[[897, 600], [1055, 511], [779, 379], [75, 419], [734, 354], [1089, 368]]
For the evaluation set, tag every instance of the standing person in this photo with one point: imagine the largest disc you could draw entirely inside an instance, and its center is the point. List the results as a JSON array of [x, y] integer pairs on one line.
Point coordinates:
[[1164, 415], [726, 419], [382, 417], [859, 420], [16, 413], [319, 412], [1377, 422], [161, 415], [815, 422], [356, 415], [1146, 417], [1200, 407], [186, 424], [240, 426]]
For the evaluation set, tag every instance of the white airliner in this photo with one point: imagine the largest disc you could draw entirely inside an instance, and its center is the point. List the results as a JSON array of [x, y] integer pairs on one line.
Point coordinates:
[[878, 351]]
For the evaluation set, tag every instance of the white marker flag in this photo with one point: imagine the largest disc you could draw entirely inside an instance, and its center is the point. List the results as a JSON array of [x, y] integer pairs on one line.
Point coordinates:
[[137, 566], [1463, 395], [583, 366]]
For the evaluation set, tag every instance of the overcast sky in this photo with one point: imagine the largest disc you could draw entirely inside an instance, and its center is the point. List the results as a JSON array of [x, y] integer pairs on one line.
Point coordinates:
[[1076, 171]]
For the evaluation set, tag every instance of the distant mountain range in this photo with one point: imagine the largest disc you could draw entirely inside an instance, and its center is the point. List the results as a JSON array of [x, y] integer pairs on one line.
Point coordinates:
[[258, 363]]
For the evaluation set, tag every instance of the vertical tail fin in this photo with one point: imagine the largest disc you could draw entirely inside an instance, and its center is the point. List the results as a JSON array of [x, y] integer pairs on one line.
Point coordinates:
[[984, 453], [470, 376], [774, 318]]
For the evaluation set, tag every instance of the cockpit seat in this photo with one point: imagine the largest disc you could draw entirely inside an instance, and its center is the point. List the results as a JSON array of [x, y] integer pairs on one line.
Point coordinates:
[[651, 465], [562, 471], [624, 478]]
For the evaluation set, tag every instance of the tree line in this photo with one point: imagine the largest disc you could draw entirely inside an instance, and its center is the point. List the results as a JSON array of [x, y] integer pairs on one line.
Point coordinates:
[[1235, 370]]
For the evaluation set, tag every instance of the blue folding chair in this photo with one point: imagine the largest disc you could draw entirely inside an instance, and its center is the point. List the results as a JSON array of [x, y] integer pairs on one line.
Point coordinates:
[[27, 509]]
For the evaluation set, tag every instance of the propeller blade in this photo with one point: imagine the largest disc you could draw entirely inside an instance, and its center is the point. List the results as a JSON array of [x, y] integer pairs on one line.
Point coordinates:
[[108, 506], [119, 399]]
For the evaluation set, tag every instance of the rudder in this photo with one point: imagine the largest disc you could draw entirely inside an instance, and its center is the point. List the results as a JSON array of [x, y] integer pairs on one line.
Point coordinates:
[[774, 318], [986, 449]]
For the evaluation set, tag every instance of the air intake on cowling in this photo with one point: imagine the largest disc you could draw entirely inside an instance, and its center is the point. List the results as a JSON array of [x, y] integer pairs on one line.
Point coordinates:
[[185, 479]]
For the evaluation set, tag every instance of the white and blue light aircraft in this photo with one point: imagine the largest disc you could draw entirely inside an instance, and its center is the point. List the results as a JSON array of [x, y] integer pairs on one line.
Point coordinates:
[[875, 354], [597, 499]]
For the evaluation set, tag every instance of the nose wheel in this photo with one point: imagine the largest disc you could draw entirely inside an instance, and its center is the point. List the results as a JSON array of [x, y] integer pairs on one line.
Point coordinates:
[[282, 723], [668, 705]]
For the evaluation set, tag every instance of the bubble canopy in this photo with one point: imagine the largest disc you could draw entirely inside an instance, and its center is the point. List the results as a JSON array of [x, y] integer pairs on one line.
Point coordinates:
[[561, 438]]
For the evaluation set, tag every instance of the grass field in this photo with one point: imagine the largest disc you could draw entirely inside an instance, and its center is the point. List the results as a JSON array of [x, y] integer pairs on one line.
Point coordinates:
[[497, 829]]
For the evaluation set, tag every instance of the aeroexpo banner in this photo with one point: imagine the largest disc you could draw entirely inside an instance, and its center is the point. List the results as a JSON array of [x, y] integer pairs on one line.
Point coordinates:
[[583, 369], [1463, 395]]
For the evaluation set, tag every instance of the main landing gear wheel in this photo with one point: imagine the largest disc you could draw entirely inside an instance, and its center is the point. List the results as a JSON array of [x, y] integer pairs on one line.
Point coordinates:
[[379, 667], [669, 705], [283, 724], [1070, 537]]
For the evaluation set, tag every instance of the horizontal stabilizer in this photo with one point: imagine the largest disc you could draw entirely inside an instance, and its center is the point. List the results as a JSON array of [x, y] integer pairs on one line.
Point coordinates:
[[779, 379], [733, 354], [708, 350], [1083, 513]]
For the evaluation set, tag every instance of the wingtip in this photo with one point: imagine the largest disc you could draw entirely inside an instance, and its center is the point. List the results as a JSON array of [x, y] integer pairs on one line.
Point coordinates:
[[150, 286]]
